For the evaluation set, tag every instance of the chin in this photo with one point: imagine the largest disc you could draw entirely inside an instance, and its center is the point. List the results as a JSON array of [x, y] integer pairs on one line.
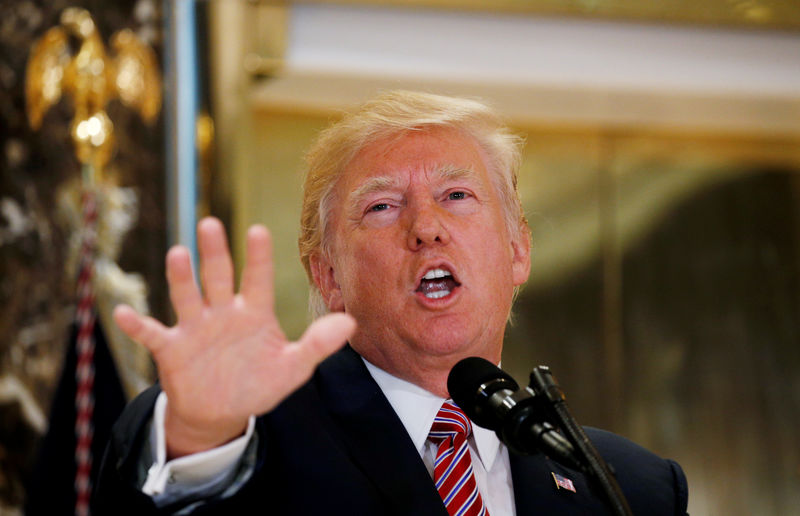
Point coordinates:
[[455, 343]]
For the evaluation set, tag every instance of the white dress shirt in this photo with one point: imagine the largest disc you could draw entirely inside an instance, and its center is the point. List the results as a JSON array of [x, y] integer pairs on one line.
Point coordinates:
[[213, 470]]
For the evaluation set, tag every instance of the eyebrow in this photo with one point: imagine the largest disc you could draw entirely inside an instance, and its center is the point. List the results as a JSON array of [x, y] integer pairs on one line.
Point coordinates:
[[372, 185], [451, 172]]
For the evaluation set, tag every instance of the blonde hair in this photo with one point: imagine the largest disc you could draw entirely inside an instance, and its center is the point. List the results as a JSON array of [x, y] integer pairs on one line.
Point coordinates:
[[388, 115]]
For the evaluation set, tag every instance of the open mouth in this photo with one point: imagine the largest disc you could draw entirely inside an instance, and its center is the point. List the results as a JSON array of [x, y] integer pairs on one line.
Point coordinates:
[[437, 283]]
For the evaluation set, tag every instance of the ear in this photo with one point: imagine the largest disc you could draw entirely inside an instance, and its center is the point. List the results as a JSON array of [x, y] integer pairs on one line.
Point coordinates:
[[325, 280], [521, 255]]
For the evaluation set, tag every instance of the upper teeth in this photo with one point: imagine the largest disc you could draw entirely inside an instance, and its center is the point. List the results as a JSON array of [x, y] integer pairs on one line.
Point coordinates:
[[436, 273]]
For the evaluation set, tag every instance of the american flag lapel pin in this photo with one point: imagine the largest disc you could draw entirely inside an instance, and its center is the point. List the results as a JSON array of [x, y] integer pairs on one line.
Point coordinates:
[[563, 482]]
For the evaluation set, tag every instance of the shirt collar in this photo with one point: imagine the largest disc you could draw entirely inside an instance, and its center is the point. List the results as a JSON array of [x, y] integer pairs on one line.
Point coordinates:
[[417, 409]]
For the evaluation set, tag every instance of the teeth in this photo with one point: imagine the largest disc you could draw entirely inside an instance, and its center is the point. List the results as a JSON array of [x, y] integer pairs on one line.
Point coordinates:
[[437, 294], [436, 273]]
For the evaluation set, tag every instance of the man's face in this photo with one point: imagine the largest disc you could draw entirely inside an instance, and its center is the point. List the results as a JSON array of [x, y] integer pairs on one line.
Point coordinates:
[[421, 255]]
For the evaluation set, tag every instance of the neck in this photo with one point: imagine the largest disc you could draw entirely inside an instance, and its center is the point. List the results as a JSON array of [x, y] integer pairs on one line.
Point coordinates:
[[430, 374]]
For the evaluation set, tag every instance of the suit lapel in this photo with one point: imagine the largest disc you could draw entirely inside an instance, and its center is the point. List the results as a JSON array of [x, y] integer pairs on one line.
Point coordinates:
[[536, 492], [375, 437]]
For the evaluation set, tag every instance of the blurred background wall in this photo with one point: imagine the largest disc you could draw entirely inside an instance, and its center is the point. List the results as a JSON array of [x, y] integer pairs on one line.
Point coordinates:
[[661, 180]]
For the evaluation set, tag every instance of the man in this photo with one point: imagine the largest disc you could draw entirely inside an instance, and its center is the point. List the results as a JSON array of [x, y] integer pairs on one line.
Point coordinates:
[[414, 237]]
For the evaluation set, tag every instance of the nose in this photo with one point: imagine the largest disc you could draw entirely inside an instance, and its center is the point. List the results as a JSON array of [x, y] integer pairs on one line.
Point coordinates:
[[426, 225]]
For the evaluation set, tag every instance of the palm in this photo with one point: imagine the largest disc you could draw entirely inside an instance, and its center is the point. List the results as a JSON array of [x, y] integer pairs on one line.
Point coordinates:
[[227, 357]]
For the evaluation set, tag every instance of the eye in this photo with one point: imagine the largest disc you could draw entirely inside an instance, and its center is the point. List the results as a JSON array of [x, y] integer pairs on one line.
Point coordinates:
[[456, 196], [379, 207]]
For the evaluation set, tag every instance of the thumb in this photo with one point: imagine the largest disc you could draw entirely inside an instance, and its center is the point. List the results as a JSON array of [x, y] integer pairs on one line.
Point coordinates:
[[140, 328], [325, 335]]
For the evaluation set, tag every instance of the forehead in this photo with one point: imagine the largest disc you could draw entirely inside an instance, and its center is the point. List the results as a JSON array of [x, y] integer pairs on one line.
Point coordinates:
[[432, 153]]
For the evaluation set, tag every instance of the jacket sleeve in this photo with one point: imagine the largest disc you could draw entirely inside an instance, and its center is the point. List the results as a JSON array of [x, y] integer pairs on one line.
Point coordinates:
[[118, 488], [652, 485], [681, 489]]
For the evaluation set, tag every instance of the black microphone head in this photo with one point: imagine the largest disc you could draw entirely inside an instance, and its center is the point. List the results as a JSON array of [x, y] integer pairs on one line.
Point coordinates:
[[471, 383]]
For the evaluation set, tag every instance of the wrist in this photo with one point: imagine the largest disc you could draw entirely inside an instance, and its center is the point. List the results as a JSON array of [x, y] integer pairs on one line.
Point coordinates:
[[187, 437]]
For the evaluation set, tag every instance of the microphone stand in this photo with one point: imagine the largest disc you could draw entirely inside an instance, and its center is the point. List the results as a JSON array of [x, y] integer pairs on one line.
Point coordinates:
[[544, 386]]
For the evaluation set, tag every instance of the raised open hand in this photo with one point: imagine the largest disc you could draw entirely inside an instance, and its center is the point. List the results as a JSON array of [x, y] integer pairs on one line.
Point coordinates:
[[226, 357]]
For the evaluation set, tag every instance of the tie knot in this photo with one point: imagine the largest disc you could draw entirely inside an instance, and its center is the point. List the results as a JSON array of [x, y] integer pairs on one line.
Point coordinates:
[[449, 422]]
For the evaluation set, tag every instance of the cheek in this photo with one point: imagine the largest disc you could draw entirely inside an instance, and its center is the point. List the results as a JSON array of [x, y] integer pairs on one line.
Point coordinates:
[[368, 271], [496, 268]]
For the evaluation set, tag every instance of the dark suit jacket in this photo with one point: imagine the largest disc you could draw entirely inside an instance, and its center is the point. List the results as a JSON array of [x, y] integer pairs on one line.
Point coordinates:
[[336, 447]]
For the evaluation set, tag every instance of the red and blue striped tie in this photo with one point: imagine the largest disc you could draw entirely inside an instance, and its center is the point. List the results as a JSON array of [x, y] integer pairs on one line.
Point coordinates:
[[452, 470]]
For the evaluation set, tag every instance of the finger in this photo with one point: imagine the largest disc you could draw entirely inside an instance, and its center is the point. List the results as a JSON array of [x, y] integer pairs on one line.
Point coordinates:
[[183, 291], [143, 329], [323, 337], [258, 274], [216, 266]]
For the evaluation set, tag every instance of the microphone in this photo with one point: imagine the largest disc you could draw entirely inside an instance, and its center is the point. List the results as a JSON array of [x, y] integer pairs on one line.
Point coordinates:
[[479, 387], [492, 399]]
